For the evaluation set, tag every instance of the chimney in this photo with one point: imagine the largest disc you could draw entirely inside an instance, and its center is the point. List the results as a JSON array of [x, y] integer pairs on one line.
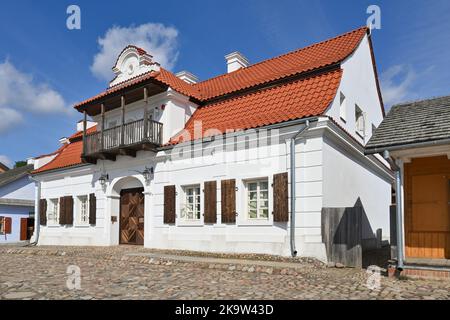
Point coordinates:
[[187, 77], [63, 141], [89, 124], [235, 61]]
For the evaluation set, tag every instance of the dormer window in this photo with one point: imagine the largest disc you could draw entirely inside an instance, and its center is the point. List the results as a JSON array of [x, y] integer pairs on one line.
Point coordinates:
[[359, 121], [342, 107]]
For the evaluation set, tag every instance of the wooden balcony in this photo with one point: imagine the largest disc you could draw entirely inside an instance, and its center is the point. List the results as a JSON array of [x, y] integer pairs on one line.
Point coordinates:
[[125, 139]]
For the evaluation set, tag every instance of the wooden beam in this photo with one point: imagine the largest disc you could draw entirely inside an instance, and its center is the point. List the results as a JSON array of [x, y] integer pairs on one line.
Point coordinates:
[[84, 131], [107, 156], [127, 152], [122, 107], [103, 127]]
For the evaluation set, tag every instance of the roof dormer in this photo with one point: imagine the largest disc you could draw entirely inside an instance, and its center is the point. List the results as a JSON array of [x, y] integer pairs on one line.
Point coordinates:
[[133, 61]]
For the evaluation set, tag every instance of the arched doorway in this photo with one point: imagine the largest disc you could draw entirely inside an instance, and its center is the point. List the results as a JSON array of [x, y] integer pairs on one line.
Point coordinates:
[[131, 211]]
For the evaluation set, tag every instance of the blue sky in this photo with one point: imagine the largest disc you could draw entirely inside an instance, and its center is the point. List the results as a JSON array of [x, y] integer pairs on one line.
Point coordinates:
[[45, 68]]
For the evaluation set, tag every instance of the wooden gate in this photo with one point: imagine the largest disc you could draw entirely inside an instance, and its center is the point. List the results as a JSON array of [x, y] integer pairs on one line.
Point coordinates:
[[132, 216], [427, 215]]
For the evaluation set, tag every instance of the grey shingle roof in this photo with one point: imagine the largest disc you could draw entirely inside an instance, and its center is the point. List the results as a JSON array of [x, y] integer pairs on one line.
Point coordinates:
[[415, 122], [14, 174]]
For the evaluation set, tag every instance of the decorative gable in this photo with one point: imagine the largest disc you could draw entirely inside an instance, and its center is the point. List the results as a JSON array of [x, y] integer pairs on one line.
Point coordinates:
[[132, 62]]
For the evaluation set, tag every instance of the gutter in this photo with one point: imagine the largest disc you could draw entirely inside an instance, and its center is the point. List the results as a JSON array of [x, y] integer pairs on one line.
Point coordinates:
[[293, 182], [398, 204], [431, 143], [37, 220]]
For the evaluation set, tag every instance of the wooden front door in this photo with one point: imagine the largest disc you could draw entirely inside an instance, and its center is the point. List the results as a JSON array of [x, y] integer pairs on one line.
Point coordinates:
[[427, 214], [132, 216]]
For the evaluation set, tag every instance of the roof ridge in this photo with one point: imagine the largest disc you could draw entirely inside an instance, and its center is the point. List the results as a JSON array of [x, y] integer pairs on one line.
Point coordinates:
[[406, 103], [284, 54]]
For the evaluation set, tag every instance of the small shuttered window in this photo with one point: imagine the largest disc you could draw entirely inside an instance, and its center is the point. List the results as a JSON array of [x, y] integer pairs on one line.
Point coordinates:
[[169, 204], [280, 198], [228, 197], [210, 202]]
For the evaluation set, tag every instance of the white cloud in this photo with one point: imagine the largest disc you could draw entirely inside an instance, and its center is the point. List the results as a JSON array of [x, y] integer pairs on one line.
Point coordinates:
[[158, 40], [6, 161], [20, 93], [396, 84], [9, 118]]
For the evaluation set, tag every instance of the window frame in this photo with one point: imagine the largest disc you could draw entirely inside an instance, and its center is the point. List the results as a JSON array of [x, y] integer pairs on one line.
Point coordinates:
[[78, 220], [258, 182], [53, 222], [342, 107], [360, 131], [183, 201], [2, 225]]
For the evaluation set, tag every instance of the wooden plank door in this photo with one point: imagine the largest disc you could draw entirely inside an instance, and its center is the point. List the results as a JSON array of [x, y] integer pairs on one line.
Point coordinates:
[[427, 215], [132, 216]]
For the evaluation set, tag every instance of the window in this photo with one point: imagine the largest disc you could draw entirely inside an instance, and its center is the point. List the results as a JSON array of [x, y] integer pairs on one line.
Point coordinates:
[[343, 107], [2, 225], [83, 210], [359, 121], [257, 199], [190, 209], [112, 124], [53, 211]]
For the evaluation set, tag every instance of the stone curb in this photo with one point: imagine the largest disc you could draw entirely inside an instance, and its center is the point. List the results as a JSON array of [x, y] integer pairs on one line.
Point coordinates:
[[142, 259]]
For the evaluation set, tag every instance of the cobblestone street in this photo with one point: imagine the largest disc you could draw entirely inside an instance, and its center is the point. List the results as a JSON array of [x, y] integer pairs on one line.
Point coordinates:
[[105, 274]]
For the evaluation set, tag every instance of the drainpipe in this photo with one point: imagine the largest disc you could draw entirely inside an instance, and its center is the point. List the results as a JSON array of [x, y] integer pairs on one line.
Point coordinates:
[[398, 204], [292, 226], [37, 223]]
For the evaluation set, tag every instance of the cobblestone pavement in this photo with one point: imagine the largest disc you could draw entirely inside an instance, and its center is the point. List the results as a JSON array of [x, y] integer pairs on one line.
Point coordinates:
[[106, 274]]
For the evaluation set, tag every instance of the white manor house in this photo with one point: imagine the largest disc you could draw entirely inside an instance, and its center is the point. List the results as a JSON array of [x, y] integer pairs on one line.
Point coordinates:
[[240, 163]]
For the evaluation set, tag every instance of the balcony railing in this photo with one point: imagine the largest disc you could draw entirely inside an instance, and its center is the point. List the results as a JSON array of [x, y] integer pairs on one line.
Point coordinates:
[[123, 139]]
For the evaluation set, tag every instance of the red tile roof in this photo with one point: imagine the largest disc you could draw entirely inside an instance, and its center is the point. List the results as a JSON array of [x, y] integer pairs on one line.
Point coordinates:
[[302, 60], [68, 155], [303, 98], [313, 57]]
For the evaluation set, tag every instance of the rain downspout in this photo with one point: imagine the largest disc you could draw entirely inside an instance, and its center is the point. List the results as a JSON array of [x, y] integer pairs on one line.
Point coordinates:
[[398, 205], [37, 223], [292, 225]]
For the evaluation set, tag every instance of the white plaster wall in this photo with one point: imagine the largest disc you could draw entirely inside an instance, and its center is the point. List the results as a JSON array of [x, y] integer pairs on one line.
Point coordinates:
[[254, 162], [358, 84], [74, 182], [347, 178]]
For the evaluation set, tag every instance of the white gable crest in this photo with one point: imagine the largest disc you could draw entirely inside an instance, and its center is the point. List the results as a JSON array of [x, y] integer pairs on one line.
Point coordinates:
[[132, 62]]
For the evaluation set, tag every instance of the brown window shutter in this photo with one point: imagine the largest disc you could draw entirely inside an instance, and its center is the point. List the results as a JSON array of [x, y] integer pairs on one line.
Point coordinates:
[[210, 202], [228, 194], [169, 204], [69, 210], [92, 209], [280, 198], [8, 225], [43, 212], [23, 229], [62, 210]]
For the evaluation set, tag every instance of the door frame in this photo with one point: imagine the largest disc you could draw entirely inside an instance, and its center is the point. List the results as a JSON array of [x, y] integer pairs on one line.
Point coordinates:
[[141, 190]]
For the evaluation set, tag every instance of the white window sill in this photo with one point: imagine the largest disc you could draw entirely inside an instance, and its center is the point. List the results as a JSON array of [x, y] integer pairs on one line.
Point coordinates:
[[187, 223], [256, 222], [82, 225], [53, 225]]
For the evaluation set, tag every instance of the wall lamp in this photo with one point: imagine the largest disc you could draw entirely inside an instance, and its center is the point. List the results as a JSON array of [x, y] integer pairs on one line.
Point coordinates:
[[103, 179]]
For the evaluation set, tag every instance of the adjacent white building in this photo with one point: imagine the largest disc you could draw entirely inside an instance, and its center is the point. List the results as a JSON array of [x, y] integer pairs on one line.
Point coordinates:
[[243, 162]]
